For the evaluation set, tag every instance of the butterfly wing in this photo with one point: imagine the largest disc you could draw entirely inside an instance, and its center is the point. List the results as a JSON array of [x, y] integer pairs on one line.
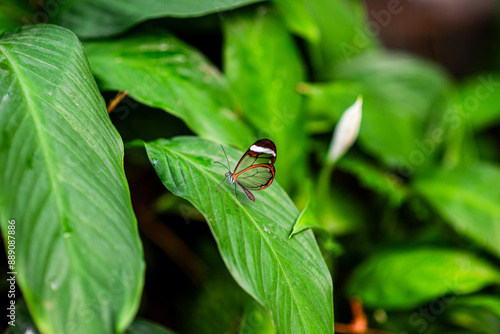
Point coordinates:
[[255, 170], [257, 177], [262, 152]]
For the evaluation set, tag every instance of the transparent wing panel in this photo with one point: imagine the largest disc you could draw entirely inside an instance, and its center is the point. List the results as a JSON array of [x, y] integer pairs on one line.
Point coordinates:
[[256, 177]]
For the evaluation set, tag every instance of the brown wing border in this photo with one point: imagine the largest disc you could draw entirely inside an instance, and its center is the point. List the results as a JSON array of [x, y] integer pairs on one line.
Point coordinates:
[[267, 143]]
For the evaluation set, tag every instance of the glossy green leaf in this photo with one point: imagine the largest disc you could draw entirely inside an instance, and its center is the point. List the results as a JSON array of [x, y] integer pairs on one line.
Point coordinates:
[[95, 18], [78, 253], [298, 19], [263, 68], [24, 324], [403, 279], [252, 237], [398, 93], [160, 71], [469, 199], [306, 219]]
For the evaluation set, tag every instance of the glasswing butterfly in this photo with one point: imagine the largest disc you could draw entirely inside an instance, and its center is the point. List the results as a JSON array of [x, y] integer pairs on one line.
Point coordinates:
[[255, 170]]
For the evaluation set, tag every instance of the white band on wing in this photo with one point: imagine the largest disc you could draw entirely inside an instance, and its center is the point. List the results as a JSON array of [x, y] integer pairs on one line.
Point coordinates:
[[260, 149]]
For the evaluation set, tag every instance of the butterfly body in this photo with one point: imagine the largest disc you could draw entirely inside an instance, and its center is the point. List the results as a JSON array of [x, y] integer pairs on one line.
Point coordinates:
[[255, 170]]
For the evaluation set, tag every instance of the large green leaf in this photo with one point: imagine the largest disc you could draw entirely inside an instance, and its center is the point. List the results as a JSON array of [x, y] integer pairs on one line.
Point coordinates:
[[469, 199], [24, 324], [160, 71], [96, 18], [402, 279], [263, 68], [252, 237], [398, 92], [78, 253]]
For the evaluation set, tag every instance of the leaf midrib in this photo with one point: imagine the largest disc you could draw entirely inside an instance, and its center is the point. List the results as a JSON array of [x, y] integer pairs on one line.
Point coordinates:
[[201, 170], [45, 146]]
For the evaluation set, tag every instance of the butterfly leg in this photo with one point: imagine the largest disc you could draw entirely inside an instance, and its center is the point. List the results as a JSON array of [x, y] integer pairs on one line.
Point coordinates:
[[221, 184]]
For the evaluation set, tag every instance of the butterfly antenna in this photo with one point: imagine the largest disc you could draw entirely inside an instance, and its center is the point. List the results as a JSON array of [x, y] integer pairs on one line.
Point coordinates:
[[223, 150], [228, 168], [234, 185], [217, 162], [220, 163]]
